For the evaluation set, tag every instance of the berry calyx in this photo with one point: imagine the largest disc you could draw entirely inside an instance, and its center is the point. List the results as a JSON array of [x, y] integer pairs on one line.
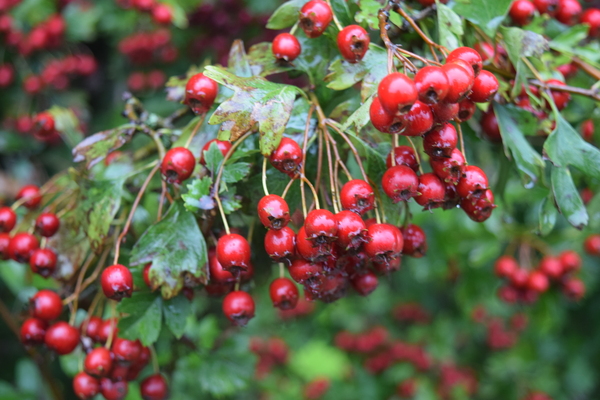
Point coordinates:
[[85, 386], [238, 307], [117, 282], [397, 93], [484, 87], [357, 196], [46, 305], [280, 244], [287, 157], [353, 43], [233, 252], [284, 294], [466, 110], [385, 244], [22, 246], [223, 145], [450, 169], [113, 390], [62, 338], [441, 141], [8, 219], [32, 195], [384, 121], [286, 47], [154, 387], [47, 224], [305, 272], [546, 6], [400, 183], [432, 84], [315, 16], [273, 211], [33, 331], [415, 241], [177, 165], [310, 250], [98, 362], [200, 93], [479, 208], [404, 155]]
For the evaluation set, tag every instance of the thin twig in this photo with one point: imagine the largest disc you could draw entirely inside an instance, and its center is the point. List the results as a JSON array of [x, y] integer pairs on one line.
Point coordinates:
[[264, 176], [77, 291], [196, 128]]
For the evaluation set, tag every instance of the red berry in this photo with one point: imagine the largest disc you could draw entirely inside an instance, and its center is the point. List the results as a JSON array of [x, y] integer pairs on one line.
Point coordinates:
[[574, 288], [47, 224], [85, 387], [238, 307], [561, 99], [146, 275], [32, 194], [546, 6], [316, 388], [8, 219], [92, 329], [519, 278], [466, 110], [154, 387], [62, 338], [315, 16], [568, 70], [587, 132], [136, 82], [177, 165], [223, 145], [21, 246], [43, 262], [119, 372], [33, 331], [480, 208], [486, 51], [284, 293], [432, 84], [400, 183], [383, 121], [351, 230], [43, 125], [273, 212], [570, 261], [451, 169], [33, 84], [441, 141], [107, 329], [304, 272], [432, 191], [310, 249], [397, 93], [286, 47], [161, 14], [233, 252], [568, 12], [365, 283], [139, 364], [460, 80], [592, 245], [508, 294], [404, 155], [117, 282], [444, 112], [538, 282], [321, 226], [357, 196], [200, 93], [113, 390], [7, 75], [353, 43], [484, 88], [591, 16], [98, 362], [418, 120], [287, 157], [280, 244], [4, 244], [489, 126], [385, 243], [156, 79], [473, 184], [407, 388], [469, 55], [521, 12], [126, 351], [415, 241], [505, 266]]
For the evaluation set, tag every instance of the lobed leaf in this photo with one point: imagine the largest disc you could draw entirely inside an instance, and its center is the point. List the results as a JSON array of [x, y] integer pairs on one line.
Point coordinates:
[[567, 197], [95, 148]]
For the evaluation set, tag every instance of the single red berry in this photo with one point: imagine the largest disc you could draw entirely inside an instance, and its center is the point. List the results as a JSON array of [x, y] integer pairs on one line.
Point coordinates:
[[32, 194], [353, 43], [85, 386], [146, 275], [519, 278], [136, 82], [508, 294], [591, 16], [352, 231], [43, 125], [466, 110], [385, 244], [33, 331], [484, 88], [126, 351], [287, 157], [592, 245], [407, 388], [568, 70], [107, 329], [284, 293], [415, 241], [432, 191], [143, 5], [62, 338], [444, 112], [92, 329], [139, 364], [32, 84], [161, 14], [473, 184], [21, 246], [273, 211], [357, 196], [119, 372], [4, 244], [486, 51], [316, 388], [460, 80], [113, 390], [521, 12], [47, 224], [505, 266], [551, 267], [489, 126], [469, 55], [156, 79], [43, 262], [400, 183], [574, 288], [286, 47], [480, 208], [223, 145], [441, 141], [98, 362], [365, 283], [397, 93], [321, 226], [404, 155], [200, 93], [330, 287], [311, 250], [538, 282], [304, 272], [568, 12], [233, 252], [432, 84], [117, 282], [546, 6], [238, 307], [384, 121], [177, 165], [154, 387], [561, 99], [451, 169], [8, 219], [418, 120], [315, 16], [280, 244], [587, 132], [7, 75], [570, 261]]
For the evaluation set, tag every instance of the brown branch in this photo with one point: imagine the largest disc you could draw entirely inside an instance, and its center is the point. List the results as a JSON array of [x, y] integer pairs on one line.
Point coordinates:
[[594, 94]]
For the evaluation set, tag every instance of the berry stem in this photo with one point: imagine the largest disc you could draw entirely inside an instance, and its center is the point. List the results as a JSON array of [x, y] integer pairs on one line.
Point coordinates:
[[304, 151], [590, 70], [18, 203], [161, 200], [594, 94], [294, 28], [337, 155], [287, 187], [333, 125], [461, 139], [533, 70], [314, 192], [417, 154], [91, 278], [196, 129], [77, 291], [250, 232], [393, 155], [433, 45], [113, 314], [160, 147], [91, 309], [383, 17], [332, 187], [281, 270], [335, 18], [264, 176], [43, 243]]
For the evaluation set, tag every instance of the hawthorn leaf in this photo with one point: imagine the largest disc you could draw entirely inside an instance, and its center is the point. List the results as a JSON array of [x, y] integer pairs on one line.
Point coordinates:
[[286, 15], [523, 43], [360, 117], [67, 125], [317, 54], [341, 11], [95, 148], [369, 10], [235, 172], [487, 14], [237, 62], [144, 319], [570, 42], [176, 312], [262, 62], [177, 250], [198, 196], [567, 197], [547, 215], [450, 27]]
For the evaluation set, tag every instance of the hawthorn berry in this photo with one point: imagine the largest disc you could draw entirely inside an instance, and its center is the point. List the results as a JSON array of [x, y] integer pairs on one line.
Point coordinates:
[[383, 121], [351, 230], [484, 87], [146, 275], [568, 12], [466, 110], [43, 125], [587, 130], [444, 112], [280, 244], [46, 305], [161, 14], [286, 47], [330, 287], [107, 329], [116, 282], [287, 157], [33, 331], [404, 155], [98, 362], [233, 252], [468, 55], [385, 244], [480, 208], [273, 211], [570, 261], [538, 282], [505, 266], [177, 165], [551, 267], [400, 183], [591, 17], [304, 272], [450, 169], [21, 246], [546, 6], [561, 99], [223, 145], [321, 226], [508, 294], [126, 351], [486, 51], [591, 245], [47, 224], [357, 196], [397, 93], [432, 84], [460, 80], [418, 120], [310, 249], [92, 329], [238, 307], [284, 294], [353, 43], [8, 219], [7, 75], [489, 126], [113, 390], [315, 16], [62, 338], [432, 191], [200, 93], [32, 195], [574, 288], [365, 283], [473, 183], [4, 243], [519, 278], [85, 386], [441, 141], [521, 12], [415, 241]]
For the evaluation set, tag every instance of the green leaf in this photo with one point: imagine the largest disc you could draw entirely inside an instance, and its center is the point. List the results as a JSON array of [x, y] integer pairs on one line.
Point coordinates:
[[360, 117], [369, 10], [523, 43], [81, 22], [570, 42], [548, 214], [317, 54], [198, 196], [263, 62], [230, 200], [213, 158], [67, 125], [256, 101], [317, 359], [529, 162], [176, 312], [487, 14], [235, 172], [340, 9], [177, 250], [593, 208], [237, 62], [286, 15], [144, 317], [450, 27], [95, 148], [567, 197]]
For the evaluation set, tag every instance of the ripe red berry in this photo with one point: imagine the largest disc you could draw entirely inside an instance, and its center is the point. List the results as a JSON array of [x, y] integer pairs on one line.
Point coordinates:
[[546, 6], [441, 141], [200, 93], [280, 244], [587, 132], [592, 245], [538, 282], [21, 246], [43, 125], [508, 294], [352, 231], [489, 126], [107, 329], [92, 329], [365, 283], [551, 267], [384, 121], [469, 55], [284, 294], [432, 191], [98, 362], [521, 12], [273, 212], [316, 388], [7, 75], [484, 87], [315, 16], [33, 331], [113, 390], [386, 243], [415, 241], [287, 157], [161, 14], [47, 224], [473, 184], [418, 120], [486, 51], [126, 351], [43, 262], [466, 110], [353, 43], [444, 112], [591, 16], [397, 93], [136, 82], [223, 145], [404, 155], [321, 226], [85, 386], [4, 243], [116, 282], [304, 272], [286, 47], [451, 169], [233, 252], [32, 194], [400, 183], [238, 307], [177, 165], [8, 219], [480, 208], [505, 266], [357, 196], [570, 261], [574, 288], [62, 338], [460, 80], [432, 84], [561, 99], [568, 12], [310, 249]]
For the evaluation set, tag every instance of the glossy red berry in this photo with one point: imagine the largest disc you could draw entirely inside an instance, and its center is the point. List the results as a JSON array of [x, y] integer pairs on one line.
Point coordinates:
[[479, 208], [450, 169], [315, 16], [113, 390], [238, 307], [126, 351], [117, 282], [280, 244], [353, 43], [418, 120], [466, 110], [92, 328], [432, 84], [546, 6], [574, 288], [357, 196], [233, 252], [43, 125], [432, 191], [47, 224], [489, 127], [21, 246], [568, 12], [385, 244], [469, 55], [352, 231], [484, 87], [217, 273], [561, 99], [284, 294], [85, 386], [570, 261], [444, 112], [587, 131], [108, 329], [538, 282], [551, 267], [415, 241], [287, 157], [591, 245], [7, 75], [397, 93], [505, 266], [286, 47], [161, 14], [32, 194], [139, 364], [321, 226], [309, 249], [365, 283], [8, 219], [98, 362], [43, 262], [460, 81], [591, 17], [473, 184], [519, 278], [404, 155], [33, 331], [441, 141], [4, 244], [508, 294], [384, 121], [521, 12], [273, 211], [200, 93], [305, 272], [62, 338], [223, 145], [486, 51], [146, 275], [400, 183], [177, 165]]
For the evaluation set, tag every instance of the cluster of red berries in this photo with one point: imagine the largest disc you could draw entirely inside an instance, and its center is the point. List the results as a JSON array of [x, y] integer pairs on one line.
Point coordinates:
[[411, 313], [568, 12], [316, 388], [500, 335], [537, 395], [271, 353], [59, 72], [44, 36], [145, 47], [153, 80], [526, 285], [161, 13]]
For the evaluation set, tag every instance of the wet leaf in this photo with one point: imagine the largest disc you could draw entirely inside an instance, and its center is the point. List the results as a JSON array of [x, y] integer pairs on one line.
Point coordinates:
[[487, 14], [67, 125], [286, 15], [450, 27], [340, 9], [567, 197], [237, 62], [263, 62], [176, 312], [547, 215], [95, 148], [198, 196], [144, 319]]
